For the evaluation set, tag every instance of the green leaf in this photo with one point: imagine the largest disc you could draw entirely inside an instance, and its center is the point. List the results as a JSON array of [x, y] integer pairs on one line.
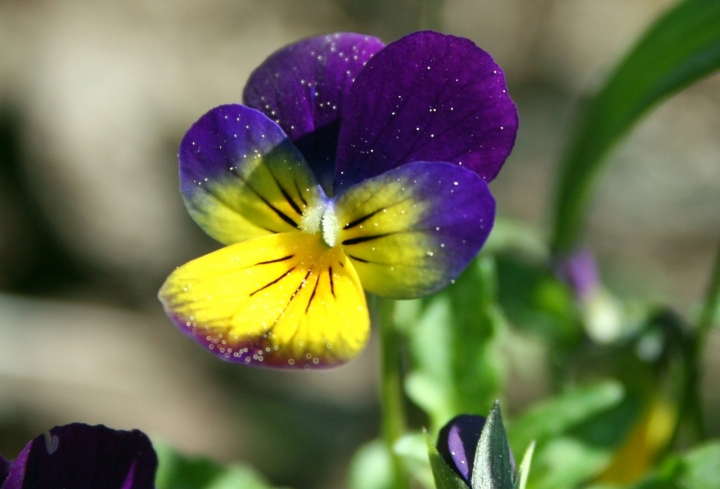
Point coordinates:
[[371, 467], [457, 366], [492, 468], [678, 49], [524, 470], [176, 471], [556, 416], [412, 448], [577, 434], [698, 469], [445, 477]]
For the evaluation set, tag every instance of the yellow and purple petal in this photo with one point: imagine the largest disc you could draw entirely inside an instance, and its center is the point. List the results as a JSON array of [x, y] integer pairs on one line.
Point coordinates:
[[426, 97], [303, 88], [85, 457], [286, 301], [412, 230], [242, 178]]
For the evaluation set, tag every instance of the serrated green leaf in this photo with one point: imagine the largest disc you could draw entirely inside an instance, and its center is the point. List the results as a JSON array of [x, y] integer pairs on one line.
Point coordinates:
[[445, 477], [176, 471], [678, 49], [492, 468], [524, 470], [555, 416]]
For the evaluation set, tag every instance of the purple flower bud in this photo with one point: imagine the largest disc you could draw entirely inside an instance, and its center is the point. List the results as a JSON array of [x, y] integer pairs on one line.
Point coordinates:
[[457, 443], [579, 271], [83, 457]]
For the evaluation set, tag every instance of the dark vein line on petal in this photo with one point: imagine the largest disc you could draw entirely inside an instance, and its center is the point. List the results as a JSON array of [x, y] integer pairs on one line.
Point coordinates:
[[273, 261], [273, 282], [297, 187], [312, 296], [361, 220], [363, 239]]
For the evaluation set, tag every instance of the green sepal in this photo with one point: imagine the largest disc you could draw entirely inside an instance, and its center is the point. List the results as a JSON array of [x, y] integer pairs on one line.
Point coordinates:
[[524, 470], [493, 466], [445, 477]]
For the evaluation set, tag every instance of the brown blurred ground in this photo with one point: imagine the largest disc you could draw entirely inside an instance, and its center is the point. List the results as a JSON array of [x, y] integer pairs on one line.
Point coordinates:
[[94, 98]]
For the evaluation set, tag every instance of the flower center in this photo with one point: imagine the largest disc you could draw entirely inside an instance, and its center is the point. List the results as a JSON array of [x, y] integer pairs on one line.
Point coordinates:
[[321, 220], [330, 225]]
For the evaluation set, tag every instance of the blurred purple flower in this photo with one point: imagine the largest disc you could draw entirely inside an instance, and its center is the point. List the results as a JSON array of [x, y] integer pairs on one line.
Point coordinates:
[[80, 456], [579, 271]]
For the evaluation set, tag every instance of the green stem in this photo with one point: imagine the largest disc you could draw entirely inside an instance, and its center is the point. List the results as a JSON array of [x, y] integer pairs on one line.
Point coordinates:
[[691, 405], [391, 389], [710, 309]]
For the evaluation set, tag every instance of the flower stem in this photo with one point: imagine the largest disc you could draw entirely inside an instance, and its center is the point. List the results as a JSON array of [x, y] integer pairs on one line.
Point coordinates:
[[712, 304], [691, 405], [391, 389]]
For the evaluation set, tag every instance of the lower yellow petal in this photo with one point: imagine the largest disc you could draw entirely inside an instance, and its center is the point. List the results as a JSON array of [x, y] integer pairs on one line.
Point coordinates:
[[285, 300]]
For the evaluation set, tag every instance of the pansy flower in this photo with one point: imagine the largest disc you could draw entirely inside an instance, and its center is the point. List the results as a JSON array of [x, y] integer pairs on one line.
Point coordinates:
[[350, 166], [80, 456]]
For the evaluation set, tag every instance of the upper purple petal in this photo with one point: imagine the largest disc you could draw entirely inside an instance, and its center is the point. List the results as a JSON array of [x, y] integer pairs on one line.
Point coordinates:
[[429, 97], [457, 443], [303, 87], [85, 457]]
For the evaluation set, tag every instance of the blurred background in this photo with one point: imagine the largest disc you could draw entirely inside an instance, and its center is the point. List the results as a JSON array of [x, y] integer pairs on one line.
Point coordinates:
[[95, 96]]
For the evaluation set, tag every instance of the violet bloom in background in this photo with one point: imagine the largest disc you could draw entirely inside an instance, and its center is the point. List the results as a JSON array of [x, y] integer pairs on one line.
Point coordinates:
[[78, 456], [351, 167], [579, 271]]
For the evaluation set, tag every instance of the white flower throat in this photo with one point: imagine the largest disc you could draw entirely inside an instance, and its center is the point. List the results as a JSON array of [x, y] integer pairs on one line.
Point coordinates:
[[321, 219]]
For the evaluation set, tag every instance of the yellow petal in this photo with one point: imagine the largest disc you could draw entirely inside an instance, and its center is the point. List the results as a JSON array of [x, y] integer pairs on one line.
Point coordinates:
[[285, 300]]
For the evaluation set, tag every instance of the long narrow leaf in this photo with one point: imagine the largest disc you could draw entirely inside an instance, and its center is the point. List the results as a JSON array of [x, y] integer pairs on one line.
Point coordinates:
[[678, 49]]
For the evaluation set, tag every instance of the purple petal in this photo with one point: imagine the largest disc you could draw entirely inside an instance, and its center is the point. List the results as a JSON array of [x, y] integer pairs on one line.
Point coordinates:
[[85, 457], [241, 178], [412, 230], [4, 468], [457, 443], [579, 271], [426, 97], [303, 87]]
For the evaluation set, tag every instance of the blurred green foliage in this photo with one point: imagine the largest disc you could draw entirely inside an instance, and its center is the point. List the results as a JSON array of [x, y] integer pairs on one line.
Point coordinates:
[[177, 471], [677, 50]]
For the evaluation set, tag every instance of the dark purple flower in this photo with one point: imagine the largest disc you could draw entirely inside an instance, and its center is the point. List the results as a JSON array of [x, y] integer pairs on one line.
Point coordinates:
[[579, 271], [79, 456], [457, 443], [351, 166]]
